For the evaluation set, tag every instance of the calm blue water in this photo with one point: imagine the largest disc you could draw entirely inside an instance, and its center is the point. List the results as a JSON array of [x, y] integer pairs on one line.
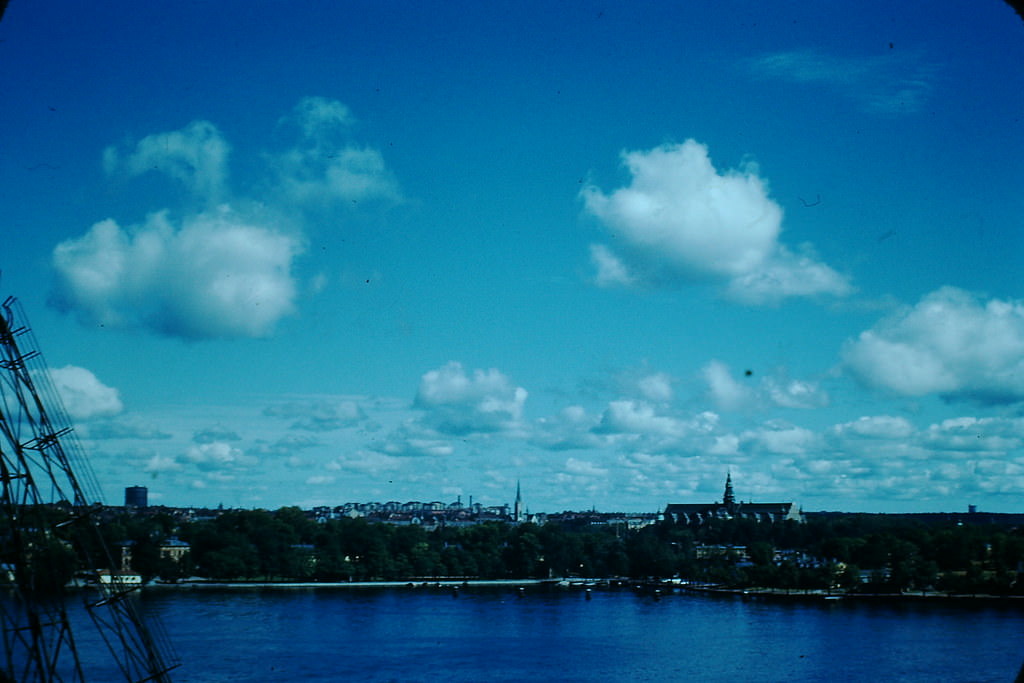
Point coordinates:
[[491, 634]]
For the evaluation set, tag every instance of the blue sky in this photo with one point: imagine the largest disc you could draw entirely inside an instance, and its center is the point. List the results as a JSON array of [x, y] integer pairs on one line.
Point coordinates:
[[280, 254]]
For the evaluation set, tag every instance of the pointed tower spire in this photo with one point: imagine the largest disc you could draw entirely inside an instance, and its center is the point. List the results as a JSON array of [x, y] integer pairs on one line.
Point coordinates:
[[729, 500], [517, 512]]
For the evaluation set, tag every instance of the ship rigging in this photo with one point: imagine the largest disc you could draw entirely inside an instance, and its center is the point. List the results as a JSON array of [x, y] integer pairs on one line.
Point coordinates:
[[49, 536]]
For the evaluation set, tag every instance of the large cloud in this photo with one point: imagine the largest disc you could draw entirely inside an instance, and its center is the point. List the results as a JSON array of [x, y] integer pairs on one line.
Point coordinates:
[[951, 344], [83, 395], [457, 403], [216, 276], [196, 155], [682, 220]]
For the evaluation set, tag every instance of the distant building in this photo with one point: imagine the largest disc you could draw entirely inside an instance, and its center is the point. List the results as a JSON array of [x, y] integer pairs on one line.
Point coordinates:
[[124, 578], [173, 549], [136, 497], [690, 513]]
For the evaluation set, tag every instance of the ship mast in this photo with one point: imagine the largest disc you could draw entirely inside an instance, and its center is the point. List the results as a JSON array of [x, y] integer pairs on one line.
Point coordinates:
[[48, 528]]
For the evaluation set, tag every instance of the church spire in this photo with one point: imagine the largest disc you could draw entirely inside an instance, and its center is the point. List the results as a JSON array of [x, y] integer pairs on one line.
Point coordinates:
[[728, 500], [517, 512]]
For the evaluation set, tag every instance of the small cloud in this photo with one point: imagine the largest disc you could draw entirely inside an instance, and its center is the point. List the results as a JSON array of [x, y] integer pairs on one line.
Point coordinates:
[[784, 275], [994, 435], [637, 417], [215, 433], [889, 84], [726, 392], [124, 428], [875, 427], [196, 155], [162, 463], [569, 430], [457, 403], [83, 395], [216, 456], [326, 166], [318, 416], [780, 438], [414, 440], [367, 462], [584, 468], [656, 387], [320, 118], [583, 476], [611, 271], [793, 393], [285, 447]]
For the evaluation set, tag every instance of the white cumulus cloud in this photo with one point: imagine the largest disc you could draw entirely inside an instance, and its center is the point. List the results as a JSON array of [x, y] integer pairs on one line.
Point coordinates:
[[216, 456], [726, 392], [682, 220], [458, 403], [84, 396], [875, 427], [781, 438], [951, 343], [215, 276], [638, 417], [793, 393]]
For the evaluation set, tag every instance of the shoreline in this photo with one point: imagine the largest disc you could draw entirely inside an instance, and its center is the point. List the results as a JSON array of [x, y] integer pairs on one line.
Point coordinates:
[[658, 588]]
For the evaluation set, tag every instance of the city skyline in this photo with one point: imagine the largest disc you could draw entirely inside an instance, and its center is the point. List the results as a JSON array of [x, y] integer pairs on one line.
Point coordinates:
[[287, 257]]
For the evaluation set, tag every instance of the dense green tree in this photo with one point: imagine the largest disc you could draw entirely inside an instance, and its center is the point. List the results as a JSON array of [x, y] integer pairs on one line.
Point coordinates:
[[896, 553]]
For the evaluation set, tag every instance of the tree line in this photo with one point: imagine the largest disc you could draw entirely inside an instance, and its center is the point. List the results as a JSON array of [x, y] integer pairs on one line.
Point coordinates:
[[883, 553]]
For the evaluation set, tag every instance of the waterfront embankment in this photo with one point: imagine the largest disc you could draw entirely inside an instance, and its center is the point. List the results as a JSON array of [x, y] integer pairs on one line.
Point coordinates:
[[433, 583], [822, 594]]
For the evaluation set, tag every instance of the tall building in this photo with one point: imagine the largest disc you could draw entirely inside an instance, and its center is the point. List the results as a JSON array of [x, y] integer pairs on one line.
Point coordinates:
[[136, 497]]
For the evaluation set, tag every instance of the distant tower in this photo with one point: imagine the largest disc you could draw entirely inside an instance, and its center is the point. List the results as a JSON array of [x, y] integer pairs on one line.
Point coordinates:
[[136, 497], [729, 500], [517, 511]]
